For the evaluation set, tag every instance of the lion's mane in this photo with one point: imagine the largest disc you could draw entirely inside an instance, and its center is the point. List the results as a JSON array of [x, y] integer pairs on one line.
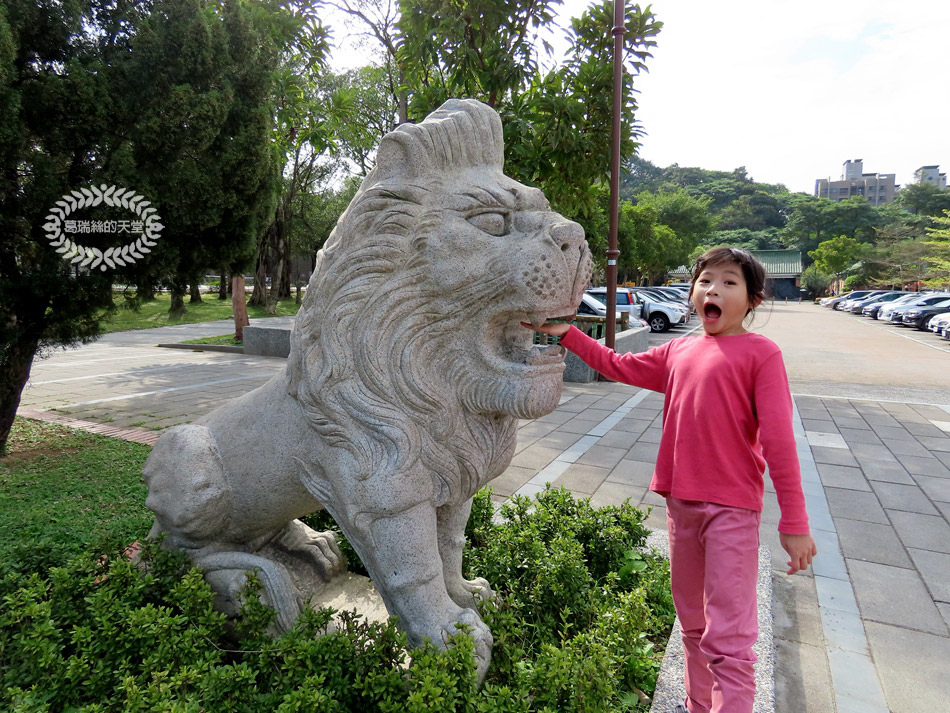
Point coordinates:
[[369, 363]]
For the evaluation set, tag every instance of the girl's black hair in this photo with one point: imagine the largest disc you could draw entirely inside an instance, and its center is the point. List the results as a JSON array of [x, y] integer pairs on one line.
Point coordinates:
[[752, 270]]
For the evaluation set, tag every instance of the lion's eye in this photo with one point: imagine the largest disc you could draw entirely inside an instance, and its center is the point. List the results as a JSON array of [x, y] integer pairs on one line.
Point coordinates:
[[491, 223]]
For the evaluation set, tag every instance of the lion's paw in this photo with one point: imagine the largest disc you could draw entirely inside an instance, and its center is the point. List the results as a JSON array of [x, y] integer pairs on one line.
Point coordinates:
[[479, 632], [467, 592], [319, 549]]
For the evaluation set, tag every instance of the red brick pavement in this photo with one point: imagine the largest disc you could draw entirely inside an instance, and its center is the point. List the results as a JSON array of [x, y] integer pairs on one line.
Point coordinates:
[[103, 429]]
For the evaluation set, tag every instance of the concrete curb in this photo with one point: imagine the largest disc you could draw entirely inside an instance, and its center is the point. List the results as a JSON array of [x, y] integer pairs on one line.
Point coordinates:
[[205, 347]]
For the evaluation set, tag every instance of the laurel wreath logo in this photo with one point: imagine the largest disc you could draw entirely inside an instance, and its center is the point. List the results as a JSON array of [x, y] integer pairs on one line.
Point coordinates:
[[111, 196]]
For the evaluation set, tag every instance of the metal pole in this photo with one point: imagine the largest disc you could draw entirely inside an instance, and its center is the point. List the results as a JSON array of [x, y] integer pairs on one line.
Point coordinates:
[[612, 252]]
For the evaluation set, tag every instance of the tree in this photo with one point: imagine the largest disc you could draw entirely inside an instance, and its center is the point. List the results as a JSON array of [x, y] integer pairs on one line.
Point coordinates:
[[855, 217], [814, 280], [379, 19], [755, 211], [923, 199], [809, 220], [836, 255], [198, 84], [168, 98], [557, 122], [688, 216], [648, 248], [938, 239], [56, 116], [472, 48], [898, 252]]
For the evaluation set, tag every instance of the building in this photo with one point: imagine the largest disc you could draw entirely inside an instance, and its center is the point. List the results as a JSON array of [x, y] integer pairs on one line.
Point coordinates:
[[931, 175], [878, 188]]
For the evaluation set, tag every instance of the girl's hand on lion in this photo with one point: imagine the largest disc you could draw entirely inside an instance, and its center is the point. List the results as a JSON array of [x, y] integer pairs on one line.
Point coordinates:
[[553, 330]]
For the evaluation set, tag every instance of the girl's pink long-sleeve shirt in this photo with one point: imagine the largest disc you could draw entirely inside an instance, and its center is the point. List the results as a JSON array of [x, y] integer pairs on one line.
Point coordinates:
[[727, 413]]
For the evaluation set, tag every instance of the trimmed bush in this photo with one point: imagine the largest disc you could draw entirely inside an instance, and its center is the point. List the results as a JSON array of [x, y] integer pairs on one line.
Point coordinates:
[[579, 618]]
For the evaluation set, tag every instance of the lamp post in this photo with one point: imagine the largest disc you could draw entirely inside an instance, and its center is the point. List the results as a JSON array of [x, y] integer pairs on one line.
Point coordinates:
[[612, 252]]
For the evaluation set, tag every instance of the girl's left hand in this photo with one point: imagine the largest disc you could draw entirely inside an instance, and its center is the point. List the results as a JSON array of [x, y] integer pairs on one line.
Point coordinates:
[[801, 549]]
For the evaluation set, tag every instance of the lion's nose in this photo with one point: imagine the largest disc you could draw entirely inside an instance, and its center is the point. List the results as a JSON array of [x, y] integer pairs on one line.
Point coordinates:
[[567, 235]]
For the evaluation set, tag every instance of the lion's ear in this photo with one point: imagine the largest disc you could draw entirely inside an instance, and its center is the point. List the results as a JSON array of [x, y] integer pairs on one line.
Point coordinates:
[[400, 153]]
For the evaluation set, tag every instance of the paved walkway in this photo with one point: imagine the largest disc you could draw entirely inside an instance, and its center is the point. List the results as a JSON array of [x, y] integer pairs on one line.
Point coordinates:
[[866, 630]]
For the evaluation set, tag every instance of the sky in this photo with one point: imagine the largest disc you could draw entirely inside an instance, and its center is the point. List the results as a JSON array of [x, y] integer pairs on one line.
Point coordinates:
[[791, 89]]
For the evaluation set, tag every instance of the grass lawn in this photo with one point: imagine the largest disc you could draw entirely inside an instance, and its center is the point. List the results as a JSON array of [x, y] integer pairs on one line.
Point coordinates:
[[155, 313], [62, 490], [227, 340]]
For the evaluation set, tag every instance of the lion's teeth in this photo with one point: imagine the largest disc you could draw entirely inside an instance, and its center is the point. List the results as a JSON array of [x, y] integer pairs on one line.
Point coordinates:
[[545, 355], [537, 320]]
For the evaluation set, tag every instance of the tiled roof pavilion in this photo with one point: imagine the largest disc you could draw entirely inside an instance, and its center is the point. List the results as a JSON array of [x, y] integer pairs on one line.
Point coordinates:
[[777, 263]]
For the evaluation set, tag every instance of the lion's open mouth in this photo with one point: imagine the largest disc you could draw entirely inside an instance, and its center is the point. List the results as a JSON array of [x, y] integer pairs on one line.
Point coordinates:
[[516, 348]]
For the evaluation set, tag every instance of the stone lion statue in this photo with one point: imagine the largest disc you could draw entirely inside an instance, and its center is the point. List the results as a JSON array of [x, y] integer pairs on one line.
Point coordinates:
[[407, 374]]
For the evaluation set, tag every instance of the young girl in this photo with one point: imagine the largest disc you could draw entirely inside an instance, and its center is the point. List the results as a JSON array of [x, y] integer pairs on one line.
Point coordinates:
[[727, 413]]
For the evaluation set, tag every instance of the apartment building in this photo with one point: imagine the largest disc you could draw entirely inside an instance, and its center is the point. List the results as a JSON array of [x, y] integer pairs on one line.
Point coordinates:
[[931, 175], [878, 188]]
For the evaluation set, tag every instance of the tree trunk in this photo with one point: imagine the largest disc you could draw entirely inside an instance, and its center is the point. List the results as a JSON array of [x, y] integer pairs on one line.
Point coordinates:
[[259, 295], [403, 99], [273, 295], [177, 308], [286, 278], [223, 285], [14, 373], [195, 293], [145, 290], [239, 302]]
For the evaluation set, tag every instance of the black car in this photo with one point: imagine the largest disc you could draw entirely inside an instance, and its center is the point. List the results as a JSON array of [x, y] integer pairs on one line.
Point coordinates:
[[920, 316]]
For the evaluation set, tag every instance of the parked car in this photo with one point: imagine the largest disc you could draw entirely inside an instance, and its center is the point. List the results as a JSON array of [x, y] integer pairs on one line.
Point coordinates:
[[846, 304], [940, 325], [592, 306], [896, 314], [659, 315], [857, 307], [832, 302], [920, 316], [874, 309], [660, 295], [679, 293]]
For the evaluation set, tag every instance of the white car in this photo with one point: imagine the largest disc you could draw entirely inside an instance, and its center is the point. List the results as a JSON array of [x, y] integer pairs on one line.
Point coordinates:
[[592, 306], [940, 325], [659, 315]]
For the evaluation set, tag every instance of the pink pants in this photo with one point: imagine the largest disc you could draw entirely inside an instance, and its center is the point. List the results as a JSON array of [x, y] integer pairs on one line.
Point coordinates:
[[713, 565]]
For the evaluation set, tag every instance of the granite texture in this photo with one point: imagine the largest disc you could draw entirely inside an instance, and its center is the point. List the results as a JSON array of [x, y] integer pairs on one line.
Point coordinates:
[[407, 373]]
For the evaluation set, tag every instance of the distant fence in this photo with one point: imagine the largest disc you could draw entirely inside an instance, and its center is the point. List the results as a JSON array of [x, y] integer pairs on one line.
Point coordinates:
[[591, 325]]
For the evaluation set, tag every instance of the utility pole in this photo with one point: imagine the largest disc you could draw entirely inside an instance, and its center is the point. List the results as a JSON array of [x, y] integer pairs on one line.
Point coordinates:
[[612, 252]]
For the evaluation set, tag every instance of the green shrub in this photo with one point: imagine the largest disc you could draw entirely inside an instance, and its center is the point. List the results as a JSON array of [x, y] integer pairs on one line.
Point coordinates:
[[579, 618]]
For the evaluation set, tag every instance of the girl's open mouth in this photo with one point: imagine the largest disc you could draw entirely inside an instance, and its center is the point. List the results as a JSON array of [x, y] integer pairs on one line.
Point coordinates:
[[711, 311]]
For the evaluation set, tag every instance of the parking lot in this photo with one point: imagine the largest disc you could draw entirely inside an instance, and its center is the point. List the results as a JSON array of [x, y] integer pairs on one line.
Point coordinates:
[[830, 353]]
